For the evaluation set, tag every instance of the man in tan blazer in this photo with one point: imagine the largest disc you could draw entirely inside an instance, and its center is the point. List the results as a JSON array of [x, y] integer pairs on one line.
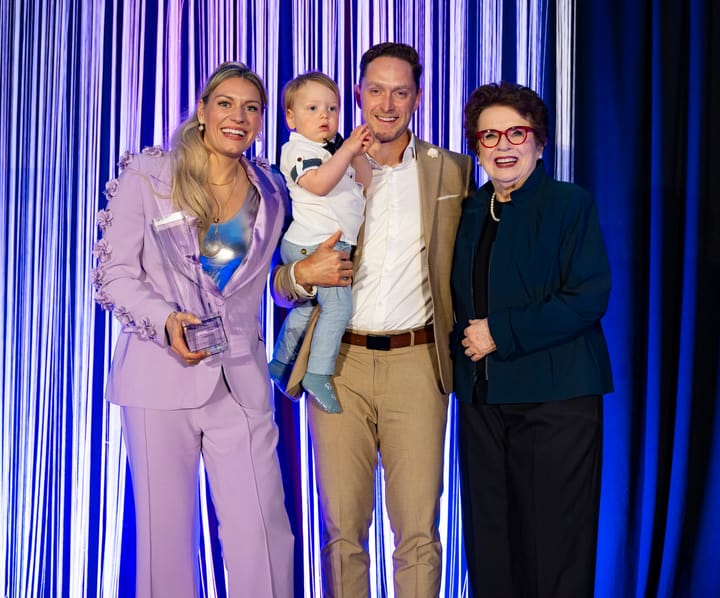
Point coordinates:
[[394, 372]]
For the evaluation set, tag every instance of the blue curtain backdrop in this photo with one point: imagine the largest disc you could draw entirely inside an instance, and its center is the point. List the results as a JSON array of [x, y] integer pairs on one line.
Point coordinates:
[[634, 95], [648, 91]]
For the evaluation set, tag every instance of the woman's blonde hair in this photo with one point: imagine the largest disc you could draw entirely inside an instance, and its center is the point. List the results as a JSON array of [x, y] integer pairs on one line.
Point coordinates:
[[190, 156]]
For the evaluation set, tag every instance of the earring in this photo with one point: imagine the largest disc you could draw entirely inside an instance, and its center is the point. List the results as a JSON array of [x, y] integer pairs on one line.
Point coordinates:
[[201, 127], [259, 136]]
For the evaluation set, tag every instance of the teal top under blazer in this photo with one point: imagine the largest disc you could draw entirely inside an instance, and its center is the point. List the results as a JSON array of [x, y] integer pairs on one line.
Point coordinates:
[[548, 287]]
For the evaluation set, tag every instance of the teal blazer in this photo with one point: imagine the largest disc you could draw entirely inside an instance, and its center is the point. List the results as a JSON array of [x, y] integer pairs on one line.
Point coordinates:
[[548, 288]]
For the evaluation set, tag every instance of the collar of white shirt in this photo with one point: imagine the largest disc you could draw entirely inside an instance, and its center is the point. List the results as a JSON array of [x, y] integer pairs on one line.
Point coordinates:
[[408, 155]]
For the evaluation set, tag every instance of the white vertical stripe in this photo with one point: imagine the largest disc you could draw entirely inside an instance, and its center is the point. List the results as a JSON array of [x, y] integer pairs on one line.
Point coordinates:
[[531, 33], [457, 71], [565, 90]]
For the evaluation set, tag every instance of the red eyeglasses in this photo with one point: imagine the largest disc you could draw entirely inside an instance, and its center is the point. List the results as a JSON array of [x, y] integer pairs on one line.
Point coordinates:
[[516, 135]]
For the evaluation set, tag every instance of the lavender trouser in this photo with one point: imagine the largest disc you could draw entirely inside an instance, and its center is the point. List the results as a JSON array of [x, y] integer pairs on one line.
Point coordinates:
[[237, 446]]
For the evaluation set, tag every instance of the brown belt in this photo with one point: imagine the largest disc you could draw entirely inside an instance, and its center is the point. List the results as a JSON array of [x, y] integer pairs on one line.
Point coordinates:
[[382, 342]]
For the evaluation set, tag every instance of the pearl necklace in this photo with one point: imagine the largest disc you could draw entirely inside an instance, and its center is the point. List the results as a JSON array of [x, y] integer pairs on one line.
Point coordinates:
[[492, 210]]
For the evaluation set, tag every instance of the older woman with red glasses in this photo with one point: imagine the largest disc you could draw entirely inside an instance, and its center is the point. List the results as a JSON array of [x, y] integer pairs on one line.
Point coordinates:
[[530, 284]]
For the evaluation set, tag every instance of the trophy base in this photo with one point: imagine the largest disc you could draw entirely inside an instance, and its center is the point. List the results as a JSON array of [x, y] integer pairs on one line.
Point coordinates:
[[208, 335]]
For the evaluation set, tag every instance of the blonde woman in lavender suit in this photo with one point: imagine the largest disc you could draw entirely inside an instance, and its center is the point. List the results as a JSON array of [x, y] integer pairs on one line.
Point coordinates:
[[178, 405]]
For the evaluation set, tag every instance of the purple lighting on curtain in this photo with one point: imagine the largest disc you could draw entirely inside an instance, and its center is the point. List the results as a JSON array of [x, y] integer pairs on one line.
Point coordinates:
[[91, 80]]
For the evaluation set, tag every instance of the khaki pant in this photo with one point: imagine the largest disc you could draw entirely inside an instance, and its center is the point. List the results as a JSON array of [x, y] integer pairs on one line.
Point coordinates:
[[392, 404]]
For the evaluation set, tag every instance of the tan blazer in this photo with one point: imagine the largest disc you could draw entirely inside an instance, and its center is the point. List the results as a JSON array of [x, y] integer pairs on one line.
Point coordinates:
[[446, 179]]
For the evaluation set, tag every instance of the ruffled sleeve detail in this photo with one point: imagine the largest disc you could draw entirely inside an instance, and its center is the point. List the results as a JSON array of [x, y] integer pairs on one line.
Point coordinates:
[[104, 255]]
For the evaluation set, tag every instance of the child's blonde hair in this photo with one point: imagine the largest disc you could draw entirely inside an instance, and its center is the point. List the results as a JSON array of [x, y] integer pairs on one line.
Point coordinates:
[[293, 86]]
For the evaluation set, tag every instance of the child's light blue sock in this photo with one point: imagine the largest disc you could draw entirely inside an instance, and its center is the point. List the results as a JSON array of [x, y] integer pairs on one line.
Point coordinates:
[[321, 388]]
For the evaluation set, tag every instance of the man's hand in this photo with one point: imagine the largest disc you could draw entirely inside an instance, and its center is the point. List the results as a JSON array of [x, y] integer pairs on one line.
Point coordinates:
[[325, 267]]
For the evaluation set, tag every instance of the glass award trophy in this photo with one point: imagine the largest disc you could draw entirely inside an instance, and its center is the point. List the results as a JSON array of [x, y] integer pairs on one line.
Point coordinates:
[[176, 238]]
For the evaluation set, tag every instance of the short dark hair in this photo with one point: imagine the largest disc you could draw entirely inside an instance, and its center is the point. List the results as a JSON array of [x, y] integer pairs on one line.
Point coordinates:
[[523, 99], [393, 50]]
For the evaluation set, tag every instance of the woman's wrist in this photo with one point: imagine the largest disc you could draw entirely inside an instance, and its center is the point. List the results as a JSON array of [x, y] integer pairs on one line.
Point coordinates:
[[303, 288]]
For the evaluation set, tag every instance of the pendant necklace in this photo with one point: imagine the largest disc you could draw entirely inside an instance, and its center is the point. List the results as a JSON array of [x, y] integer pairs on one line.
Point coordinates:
[[213, 246], [216, 219]]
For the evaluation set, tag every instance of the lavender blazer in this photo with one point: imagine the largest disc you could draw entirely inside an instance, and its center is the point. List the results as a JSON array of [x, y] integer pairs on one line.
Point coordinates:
[[131, 281]]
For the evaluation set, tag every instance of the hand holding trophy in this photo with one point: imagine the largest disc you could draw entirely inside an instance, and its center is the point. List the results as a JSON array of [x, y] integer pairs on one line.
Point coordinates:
[[176, 237]]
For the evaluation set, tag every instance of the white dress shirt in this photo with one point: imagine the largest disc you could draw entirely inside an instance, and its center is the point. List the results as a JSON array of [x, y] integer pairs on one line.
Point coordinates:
[[390, 288]]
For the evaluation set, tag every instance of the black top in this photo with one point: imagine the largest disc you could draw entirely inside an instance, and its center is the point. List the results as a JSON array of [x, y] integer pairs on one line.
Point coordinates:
[[481, 269]]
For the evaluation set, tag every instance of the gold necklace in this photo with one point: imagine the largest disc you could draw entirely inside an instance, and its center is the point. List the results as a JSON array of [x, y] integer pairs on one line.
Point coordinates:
[[232, 180], [213, 246], [216, 219]]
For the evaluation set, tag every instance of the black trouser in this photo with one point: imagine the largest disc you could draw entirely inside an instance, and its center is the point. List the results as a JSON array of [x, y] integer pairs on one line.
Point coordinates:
[[530, 479]]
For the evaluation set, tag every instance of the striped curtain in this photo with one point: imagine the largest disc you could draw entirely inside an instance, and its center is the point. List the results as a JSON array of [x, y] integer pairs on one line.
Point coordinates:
[[86, 81]]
